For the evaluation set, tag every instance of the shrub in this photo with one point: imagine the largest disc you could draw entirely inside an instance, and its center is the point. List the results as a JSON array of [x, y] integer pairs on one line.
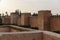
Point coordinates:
[[57, 31], [34, 28], [28, 26]]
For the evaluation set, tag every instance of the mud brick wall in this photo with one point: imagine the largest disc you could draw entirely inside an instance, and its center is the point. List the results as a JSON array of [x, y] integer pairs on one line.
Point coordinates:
[[21, 36], [51, 36]]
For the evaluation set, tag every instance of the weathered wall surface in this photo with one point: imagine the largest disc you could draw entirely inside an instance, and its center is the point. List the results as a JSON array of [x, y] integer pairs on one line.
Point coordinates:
[[7, 29], [3, 19], [4, 29], [19, 21], [6, 19], [33, 21], [14, 18], [51, 36], [12, 28], [43, 19], [55, 23], [21, 36], [32, 35], [25, 18]]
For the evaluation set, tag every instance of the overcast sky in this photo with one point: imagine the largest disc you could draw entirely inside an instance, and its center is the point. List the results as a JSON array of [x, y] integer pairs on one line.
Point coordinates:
[[30, 5]]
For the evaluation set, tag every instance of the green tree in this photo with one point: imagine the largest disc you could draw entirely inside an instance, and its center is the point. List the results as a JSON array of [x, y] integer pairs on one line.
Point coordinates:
[[34, 14], [0, 19], [18, 12]]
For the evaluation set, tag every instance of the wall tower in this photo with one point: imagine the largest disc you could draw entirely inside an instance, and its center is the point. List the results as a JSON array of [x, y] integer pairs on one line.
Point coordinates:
[[43, 19]]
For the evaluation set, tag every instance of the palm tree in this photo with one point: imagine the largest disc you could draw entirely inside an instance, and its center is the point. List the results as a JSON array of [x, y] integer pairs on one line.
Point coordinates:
[[6, 13]]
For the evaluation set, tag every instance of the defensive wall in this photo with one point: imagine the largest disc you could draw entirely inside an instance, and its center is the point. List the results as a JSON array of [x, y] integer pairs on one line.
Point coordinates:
[[30, 35], [12, 28], [44, 21], [11, 32]]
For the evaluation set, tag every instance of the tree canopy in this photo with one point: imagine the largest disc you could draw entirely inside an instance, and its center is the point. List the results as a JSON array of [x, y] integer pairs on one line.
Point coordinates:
[[34, 14], [0, 19]]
